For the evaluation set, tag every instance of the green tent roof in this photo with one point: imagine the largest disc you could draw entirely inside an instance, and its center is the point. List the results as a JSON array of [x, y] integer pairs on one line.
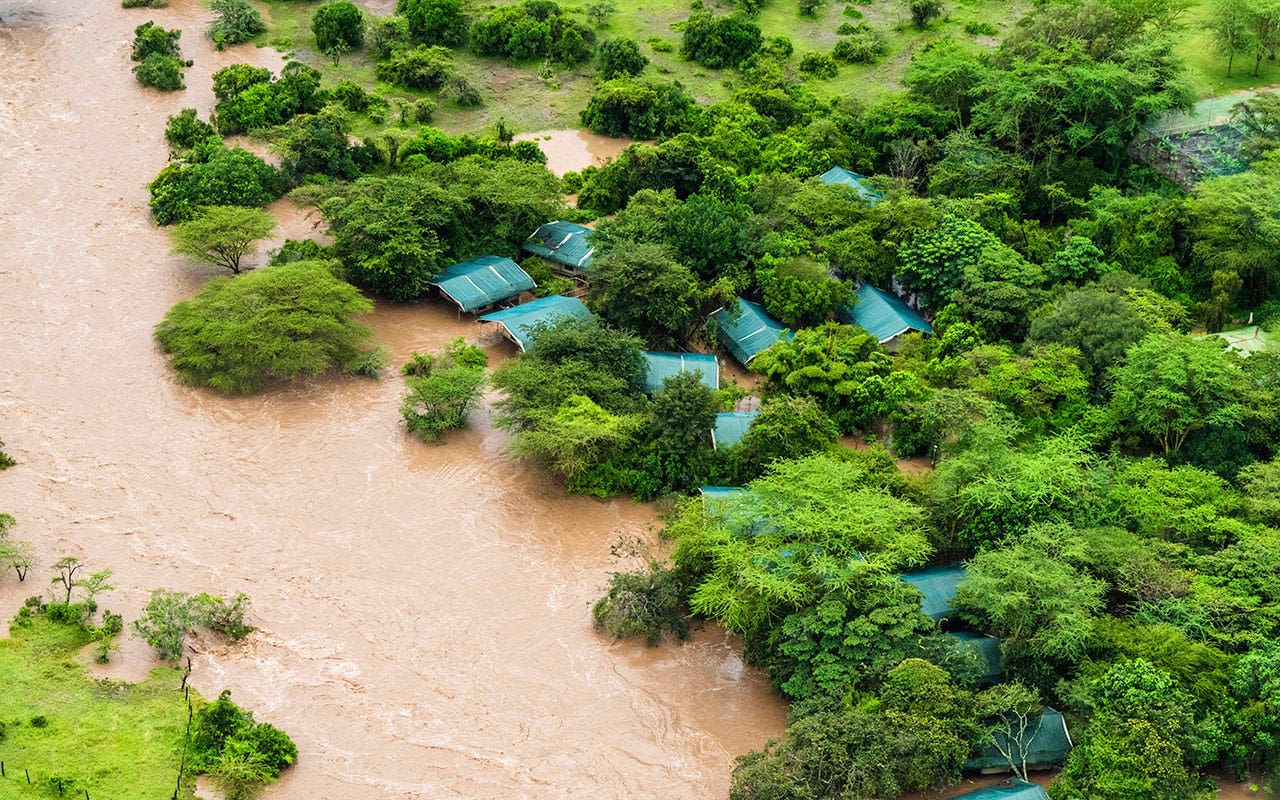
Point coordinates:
[[747, 331], [520, 321], [938, 587], [731, 426], [661, 366], [1011, 790], [719, 492], [566, 243], [839, 176], [1048, 744], [483, 281], [882, 314], [1247, 340], [986, 649]]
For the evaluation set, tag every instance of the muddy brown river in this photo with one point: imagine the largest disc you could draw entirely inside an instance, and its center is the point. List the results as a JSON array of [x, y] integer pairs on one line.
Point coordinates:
[[423, 611]]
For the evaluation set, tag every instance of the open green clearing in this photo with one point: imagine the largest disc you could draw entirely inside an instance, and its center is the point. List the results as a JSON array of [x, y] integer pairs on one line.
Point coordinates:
[[116, 740], [518, 94]]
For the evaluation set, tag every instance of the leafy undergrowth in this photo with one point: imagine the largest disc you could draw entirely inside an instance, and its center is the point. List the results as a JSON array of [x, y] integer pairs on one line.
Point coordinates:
[[73, 732]]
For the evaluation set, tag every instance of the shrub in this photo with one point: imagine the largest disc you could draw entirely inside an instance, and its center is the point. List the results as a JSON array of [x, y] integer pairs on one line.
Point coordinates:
[[385, 35], [819, 65], [185, 130], [39, 721], [865, 45], [924, 11], [419, 112], [534, 29], [338, 28], [981, 29], [852, 12], [149, 38], [221, 339], [237, 21], [419, 68], [144, 3], [809, 8], [249, 99], [213, 176], [441, 400], [718, 42], [636, 108], [648, 603], [435, 21], [463, 93], [160, 72], [223, 726], [618, 58]]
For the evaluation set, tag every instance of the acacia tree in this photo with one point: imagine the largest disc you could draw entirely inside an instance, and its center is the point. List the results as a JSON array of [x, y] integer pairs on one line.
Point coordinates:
[[222, 235], [222, 339], [1171, 385], [16, 553], [1231, 29]]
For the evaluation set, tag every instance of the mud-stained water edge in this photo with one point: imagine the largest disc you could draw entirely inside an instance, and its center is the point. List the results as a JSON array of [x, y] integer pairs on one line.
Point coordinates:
[[424, 611]]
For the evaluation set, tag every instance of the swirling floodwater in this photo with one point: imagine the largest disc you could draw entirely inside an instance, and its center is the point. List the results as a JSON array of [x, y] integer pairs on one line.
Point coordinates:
[[424, 612]]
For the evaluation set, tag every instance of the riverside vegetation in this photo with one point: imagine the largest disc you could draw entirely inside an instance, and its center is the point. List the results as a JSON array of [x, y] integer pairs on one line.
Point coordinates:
[[1103, 466]]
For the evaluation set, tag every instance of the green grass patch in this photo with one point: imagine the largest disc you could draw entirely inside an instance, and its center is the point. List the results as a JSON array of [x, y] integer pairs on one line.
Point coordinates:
[[119, 741], [530, 97], [1207, 68]]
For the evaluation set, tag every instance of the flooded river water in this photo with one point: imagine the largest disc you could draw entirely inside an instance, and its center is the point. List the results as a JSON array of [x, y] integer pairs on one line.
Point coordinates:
[[424, 611]]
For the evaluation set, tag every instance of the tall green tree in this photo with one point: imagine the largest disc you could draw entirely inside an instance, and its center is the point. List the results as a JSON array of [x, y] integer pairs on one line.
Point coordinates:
[[641, 288], [338, 28], [222, 235], [1171, 385], [238, 334]]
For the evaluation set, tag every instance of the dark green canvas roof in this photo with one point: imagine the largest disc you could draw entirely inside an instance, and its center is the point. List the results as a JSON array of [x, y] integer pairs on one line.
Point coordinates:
[[730, 427], [882, 314], [747, 331], [566, 243], [483, 281], [1010, 790], [985, 648], [938, 587], [519, 321], [1047, 746], [843, 177], [661, 366]]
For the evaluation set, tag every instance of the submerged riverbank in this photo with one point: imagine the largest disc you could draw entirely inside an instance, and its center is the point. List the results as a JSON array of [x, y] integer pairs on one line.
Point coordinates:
[[424, 611]]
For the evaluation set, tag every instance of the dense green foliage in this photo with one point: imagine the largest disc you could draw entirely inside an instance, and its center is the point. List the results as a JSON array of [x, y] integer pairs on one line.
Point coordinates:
[[236, 21], [239, 753], [442, 389], [339, 28], [160, 58], [279, 323], [212, 175], [532, 29], [222, 235]]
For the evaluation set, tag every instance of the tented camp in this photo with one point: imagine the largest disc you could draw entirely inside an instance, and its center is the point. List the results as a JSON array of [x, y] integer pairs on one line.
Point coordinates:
[[520, 322], [883, 315], [839, 176], [660, 366], [938, 586], [566, 244], [1248, 340], [1044, 743], [730, 427], [747, 331], [1008, 790], [482, 282], [986, 649]]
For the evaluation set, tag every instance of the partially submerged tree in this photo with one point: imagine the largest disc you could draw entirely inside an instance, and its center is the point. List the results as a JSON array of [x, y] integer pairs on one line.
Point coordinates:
[[222, 235], [280, 323]]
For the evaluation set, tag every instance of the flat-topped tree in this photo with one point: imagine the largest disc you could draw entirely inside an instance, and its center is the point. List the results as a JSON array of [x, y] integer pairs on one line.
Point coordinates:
[[222, 235]]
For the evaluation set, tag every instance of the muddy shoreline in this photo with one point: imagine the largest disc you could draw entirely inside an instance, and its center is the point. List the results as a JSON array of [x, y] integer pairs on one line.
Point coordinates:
[[424, 611]]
